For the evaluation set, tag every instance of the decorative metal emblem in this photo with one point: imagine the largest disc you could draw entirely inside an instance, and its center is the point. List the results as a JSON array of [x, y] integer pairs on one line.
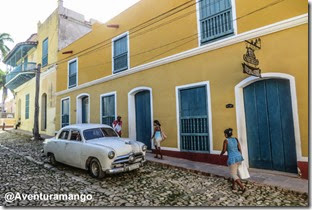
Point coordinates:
[[251, 62]]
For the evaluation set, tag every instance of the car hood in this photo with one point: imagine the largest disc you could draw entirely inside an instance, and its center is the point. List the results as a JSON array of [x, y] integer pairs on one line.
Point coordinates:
[[121, 146]]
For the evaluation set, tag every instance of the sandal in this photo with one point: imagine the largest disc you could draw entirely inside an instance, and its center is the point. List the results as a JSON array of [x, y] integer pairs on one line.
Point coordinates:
[[244, 190]]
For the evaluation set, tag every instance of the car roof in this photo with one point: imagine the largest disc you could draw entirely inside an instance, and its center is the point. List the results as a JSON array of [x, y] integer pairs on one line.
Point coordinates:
[[86, 126]]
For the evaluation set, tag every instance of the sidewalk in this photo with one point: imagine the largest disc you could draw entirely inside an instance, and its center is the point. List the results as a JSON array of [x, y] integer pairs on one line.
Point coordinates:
[[280, 179]]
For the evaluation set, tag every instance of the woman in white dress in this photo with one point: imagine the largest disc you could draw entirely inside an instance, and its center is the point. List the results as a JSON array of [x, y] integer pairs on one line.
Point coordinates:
[[157, 138]]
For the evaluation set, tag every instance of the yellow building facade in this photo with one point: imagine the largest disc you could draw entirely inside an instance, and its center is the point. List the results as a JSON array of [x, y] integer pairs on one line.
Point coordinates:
[[61, 28], [181, 63]]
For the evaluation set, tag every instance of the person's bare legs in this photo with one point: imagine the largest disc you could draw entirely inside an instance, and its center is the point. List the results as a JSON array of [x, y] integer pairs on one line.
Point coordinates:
[[233, 185], [234, 175], [156, 151], [240, 184], [161, 156]]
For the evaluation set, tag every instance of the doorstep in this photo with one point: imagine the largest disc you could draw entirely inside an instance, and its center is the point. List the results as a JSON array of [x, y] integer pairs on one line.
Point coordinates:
[[280, 179]]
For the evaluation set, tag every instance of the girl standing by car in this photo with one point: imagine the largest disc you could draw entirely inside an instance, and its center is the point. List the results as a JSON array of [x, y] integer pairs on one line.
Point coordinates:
[[117, 125], [235, 158], [157, 137]]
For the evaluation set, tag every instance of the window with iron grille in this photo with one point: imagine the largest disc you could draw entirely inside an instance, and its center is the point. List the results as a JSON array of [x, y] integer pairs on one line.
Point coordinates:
[[65, 112], [120, 54], [45, 49], [108, 109], [72, 74], [216, 19], [27, 106], [194, 125]]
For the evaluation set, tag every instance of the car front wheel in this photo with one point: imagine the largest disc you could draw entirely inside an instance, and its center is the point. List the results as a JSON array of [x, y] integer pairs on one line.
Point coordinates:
[[52, 159], [95, 169]]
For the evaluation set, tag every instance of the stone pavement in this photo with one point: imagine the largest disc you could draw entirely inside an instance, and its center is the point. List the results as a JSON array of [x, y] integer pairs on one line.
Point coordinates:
[[273, 178], [26, 133], [23, 169]]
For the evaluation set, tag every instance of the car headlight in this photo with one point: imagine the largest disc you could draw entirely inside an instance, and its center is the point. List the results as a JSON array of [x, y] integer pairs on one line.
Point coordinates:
[[131, 159], [111, 154], [144, 148]]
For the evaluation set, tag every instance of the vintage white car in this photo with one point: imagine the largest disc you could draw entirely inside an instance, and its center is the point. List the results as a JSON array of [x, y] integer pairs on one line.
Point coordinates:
[[96, 148]]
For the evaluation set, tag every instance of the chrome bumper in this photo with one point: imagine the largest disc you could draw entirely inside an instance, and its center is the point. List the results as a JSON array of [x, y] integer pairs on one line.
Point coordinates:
[[125, 168]]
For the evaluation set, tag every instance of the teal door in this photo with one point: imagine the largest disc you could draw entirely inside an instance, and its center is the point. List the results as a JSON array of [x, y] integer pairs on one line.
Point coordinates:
[[143, 117], [269, 123], [194, 129], [85, 109]]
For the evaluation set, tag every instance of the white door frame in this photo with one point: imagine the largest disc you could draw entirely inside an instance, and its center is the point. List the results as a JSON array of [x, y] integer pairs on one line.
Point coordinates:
[[79, 108], [240, 110], [132, 113], [209, 112]]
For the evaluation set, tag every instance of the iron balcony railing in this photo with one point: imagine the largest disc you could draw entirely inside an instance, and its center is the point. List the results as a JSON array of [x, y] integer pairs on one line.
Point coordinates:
[[194, 133], [216, 26], [24, 67]]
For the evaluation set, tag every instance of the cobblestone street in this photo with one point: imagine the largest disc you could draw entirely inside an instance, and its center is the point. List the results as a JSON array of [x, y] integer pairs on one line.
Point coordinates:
[[24, 170]]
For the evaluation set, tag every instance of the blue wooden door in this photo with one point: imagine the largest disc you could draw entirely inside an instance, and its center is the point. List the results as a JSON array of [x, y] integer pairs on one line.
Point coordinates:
[[85, 109], [194, 132], [269, 123], [143, 117]]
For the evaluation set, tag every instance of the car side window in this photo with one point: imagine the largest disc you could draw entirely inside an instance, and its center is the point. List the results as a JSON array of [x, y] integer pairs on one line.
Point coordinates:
[[64, 135], [75, 135]]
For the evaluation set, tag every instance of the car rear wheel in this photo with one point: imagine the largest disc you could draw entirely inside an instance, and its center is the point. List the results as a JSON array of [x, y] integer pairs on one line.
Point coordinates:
[[52, 159], [95, 169]]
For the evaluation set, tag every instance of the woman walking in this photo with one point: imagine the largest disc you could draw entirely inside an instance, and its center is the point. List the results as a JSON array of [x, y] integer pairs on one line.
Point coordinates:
[[157, 137], [235, 158]]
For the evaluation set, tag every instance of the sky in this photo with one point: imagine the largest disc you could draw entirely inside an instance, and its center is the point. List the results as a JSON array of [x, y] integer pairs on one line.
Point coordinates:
[[19, 18]]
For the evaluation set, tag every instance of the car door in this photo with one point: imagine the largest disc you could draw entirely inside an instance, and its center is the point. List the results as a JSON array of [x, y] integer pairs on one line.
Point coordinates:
[[72, 149], [59, 145]]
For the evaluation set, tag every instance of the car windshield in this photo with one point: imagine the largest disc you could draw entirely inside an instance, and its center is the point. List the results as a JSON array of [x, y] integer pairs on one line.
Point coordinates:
[[94, 133], [97, 133], [108, 132]]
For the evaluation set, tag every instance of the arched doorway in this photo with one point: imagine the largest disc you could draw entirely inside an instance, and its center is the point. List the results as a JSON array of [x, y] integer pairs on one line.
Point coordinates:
[[44, 101], [83, 108], [267, 122], [141, 115], [269, 125]]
